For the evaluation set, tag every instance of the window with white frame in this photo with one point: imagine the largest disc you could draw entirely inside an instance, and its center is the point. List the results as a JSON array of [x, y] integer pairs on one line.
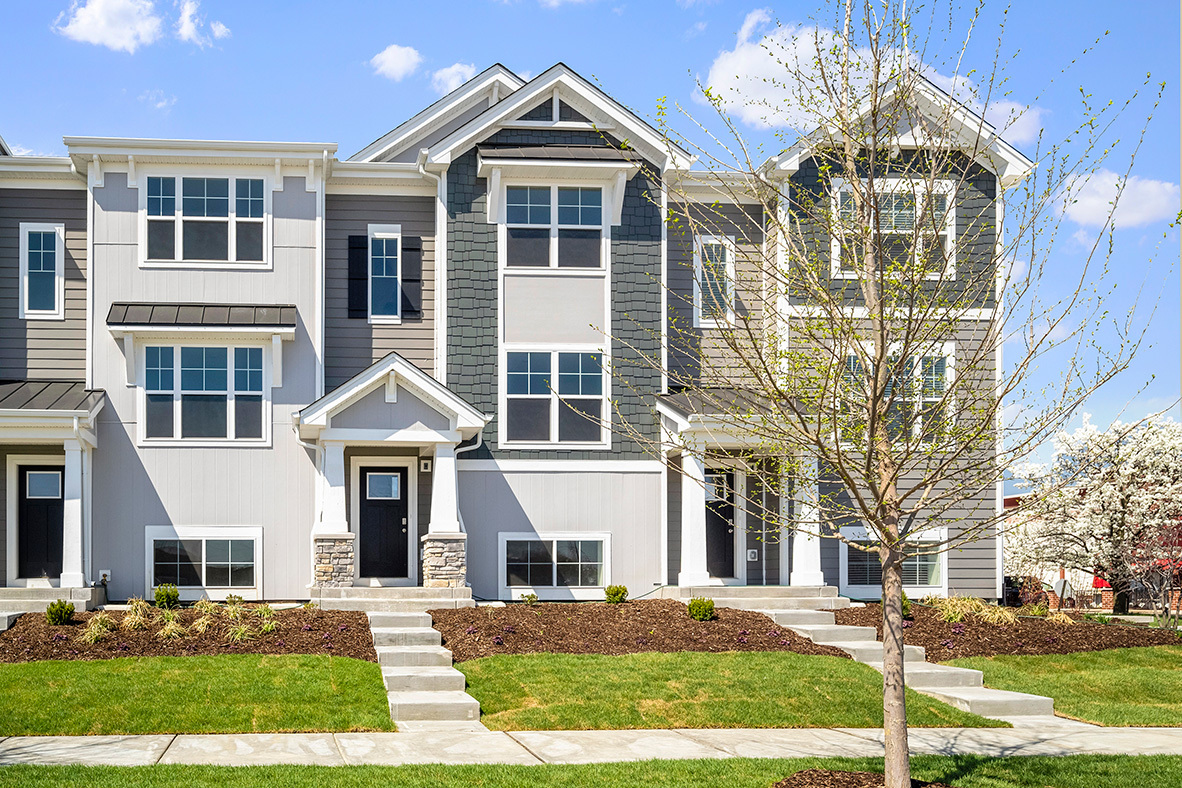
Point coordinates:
[[554, 226], [211, 220], [42, 271], [204, 393], [863, 567], [916, 389], [714, 281], [913, 226], [544, 407], [554, 563], [204, 562], [385, 273]]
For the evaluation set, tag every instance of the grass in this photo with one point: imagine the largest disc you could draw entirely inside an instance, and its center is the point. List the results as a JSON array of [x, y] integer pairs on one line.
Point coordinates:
[[689, 690], [232, 693], [1127, 686], [1074, 771]]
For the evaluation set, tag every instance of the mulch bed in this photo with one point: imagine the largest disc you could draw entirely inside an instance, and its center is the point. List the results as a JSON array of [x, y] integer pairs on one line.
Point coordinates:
[[633, 627], [339, 633], [974, 638], [827, 778]]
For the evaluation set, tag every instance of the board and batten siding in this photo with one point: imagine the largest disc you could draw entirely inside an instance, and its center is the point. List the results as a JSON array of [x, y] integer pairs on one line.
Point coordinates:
[[352, 344], [43, 349]]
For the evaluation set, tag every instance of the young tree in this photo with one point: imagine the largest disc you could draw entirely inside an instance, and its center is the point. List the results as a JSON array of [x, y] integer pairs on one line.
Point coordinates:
[[859, 303]]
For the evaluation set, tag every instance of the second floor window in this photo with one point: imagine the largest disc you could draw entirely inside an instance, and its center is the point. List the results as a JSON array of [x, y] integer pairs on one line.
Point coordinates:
[[203, 393], [911, 228], [384, 273], [554, 226], [915, 394], [543, 407], [714, 277], [210, 220], [42, 272]]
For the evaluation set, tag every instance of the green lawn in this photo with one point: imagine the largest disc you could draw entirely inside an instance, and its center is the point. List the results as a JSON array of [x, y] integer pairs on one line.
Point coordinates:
[[689, 690], [1127, 686], [232, 693], [1075, 771]]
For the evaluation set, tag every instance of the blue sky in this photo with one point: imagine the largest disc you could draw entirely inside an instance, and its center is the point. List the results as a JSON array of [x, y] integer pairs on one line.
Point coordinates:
[[317, 72]]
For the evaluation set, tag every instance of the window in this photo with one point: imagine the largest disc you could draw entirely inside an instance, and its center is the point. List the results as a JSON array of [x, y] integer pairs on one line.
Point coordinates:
[[219, 396], [384, 273], [383, 487], [537, 235], [43, 484], [864, 569], [537, 411], [714, 276], [42, 267], [215, 220], [210, 563], [915, 393], [572, 563], [908, 240]]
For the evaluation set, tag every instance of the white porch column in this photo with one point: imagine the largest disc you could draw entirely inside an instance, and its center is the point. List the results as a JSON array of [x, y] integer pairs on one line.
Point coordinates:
[[693, 522], [333, 517], [806, 546], [72, 576], [445, 505]]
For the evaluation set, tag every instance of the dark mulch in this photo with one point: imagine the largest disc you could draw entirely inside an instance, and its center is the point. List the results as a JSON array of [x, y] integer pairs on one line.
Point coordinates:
[[339, 633], [599, 628], [828, 778], [974, 638]]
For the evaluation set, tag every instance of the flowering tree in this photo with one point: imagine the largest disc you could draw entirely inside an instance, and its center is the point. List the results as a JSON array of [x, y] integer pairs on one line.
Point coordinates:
[[1109, 503]]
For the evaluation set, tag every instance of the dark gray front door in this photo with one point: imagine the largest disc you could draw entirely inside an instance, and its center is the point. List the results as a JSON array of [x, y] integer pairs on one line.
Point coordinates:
[[720, 523], [385, 522], [40, 515]]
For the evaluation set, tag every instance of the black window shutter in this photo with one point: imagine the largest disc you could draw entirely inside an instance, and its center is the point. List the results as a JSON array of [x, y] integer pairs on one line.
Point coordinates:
[[412, 277], [358, 276]]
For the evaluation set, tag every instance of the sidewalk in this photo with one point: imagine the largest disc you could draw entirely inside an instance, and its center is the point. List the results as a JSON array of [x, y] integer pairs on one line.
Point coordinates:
[[569, 747]]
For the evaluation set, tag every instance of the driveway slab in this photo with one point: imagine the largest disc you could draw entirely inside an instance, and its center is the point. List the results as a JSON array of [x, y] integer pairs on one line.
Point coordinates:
[[395, 749], [85, 750], [609, 746], [255, 749]]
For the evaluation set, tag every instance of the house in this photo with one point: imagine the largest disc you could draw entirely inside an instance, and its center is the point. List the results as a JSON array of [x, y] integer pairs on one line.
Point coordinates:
[[262, 368]]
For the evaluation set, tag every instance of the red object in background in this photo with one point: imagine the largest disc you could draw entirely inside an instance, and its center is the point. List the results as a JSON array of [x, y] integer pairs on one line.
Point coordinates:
[[1099, 582]]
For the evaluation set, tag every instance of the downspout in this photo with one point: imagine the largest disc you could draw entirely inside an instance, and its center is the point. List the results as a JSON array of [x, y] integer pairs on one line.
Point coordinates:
[[459, 450]]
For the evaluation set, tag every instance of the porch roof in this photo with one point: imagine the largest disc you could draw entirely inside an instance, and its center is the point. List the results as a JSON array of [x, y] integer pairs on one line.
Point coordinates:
[[206, 315], [48, 395]]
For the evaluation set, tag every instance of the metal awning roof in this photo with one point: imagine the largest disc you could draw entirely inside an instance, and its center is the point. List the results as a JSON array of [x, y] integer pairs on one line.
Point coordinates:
[[64, 395], [206, 315]]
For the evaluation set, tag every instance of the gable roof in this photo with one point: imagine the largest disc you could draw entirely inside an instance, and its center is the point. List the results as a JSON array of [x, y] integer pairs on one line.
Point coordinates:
[[582, 95], [494, 79], [4, 149]]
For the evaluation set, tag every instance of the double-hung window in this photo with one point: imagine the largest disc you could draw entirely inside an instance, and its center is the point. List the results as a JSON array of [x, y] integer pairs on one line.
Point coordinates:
[[554, 226], [543, 407], [205, 220], [714, 281], [911, 227], [42, 271], [385, 294], [203, 393], [915, 391]]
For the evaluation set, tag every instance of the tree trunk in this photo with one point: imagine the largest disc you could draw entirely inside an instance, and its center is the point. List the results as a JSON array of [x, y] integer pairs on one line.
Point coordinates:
[[894, 699], [1120, 597]]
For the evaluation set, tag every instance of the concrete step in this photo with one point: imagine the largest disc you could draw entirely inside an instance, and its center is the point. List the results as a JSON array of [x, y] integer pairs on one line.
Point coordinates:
[[391, 592], [790, 618], [7, 619], [927, 675], [829, 634], [781, 603], [433, 706], [407, 656], [993, 703], [395, 605], [423, 679], [406, 636], [777, 592], [399, 620], [35, 600], [871, 651]]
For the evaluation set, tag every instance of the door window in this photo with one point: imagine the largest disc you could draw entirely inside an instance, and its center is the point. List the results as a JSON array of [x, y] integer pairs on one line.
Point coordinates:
[[43, 484], [383, 487]]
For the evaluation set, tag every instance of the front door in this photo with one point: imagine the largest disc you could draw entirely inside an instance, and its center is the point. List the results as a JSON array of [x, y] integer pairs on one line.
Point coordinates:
[[720, 523], [385, 523], [39, 521]]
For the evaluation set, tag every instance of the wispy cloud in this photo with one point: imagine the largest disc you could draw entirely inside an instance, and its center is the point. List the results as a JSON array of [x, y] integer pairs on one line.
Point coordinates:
[[158, 99], [219, 30], [21, 150], [696, 30], [557, 3], [445, 80], [121, 25], [1090, 200], [396, 62]]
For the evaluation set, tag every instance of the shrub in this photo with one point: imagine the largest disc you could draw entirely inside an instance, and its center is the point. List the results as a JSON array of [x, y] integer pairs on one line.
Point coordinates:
[[529, 600], [167, 596], [269, 626], [171, 630], [1059, 617], [615, 594], [167, 616], [233, 612], [310, 607], [1038, 609], [102, 621], [955, 609], [239, 633], [206, 607], [264, 611], [134, 619], [992, 614], [701, 609], [59, 613], [91, 634], [200, 625], [234, 599], [137, 605]]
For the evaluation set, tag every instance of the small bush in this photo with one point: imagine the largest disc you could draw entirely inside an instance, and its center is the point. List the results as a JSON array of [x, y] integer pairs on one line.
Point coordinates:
[[134, 619], [233, 612], [206, 607], [1037, 609], [167, 616], [239, 633], [701, 609], [137, 605], [200, 625], [91, 635], [1059, 617], [171, 630], [59, 612], [269, 626], [615, 594], [264, 611], [234, 599], [955, 609], [167, 596], [1098, 618], [1001, 616], [529, 600], [310, 608], [102, 621]]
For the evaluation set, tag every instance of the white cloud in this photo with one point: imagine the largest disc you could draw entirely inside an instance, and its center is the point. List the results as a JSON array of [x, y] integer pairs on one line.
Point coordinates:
[[1018, 123], [121, 25], [219, 30], [556, 3], [189, 25], [21, 150], [1088, 200], [396, 62], [445, 80], [696, 30], [158, 99]]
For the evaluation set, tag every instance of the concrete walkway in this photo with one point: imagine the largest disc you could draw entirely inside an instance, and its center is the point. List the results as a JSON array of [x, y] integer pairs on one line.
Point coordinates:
[[423, 744]]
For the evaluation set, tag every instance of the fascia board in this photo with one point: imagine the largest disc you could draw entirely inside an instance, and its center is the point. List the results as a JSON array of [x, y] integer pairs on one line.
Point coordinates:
[[121, 148]]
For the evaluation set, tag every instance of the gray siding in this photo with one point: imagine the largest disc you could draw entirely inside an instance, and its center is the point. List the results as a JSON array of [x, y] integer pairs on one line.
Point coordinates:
[[353, 344], [43, 349], [372, 412], [5, 453]]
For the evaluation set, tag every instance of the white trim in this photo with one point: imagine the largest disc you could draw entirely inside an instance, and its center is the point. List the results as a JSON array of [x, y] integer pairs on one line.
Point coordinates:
[[13, 464], [59, 231], [553, 349], [561, 466], [500, 211], [728, 243], [203, 532], [439, 324], [552, 593], [384, 232], [860, 534], [412, 515]]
